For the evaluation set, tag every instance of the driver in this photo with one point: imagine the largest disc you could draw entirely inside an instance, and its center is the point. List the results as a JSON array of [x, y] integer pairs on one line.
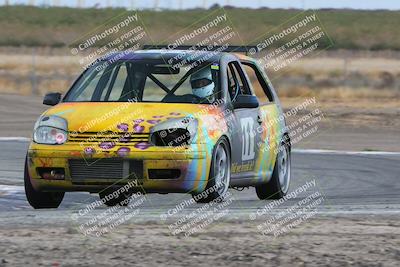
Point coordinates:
[[202, 84]]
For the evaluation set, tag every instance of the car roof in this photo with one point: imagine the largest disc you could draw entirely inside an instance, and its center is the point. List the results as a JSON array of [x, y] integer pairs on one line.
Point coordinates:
[[164, 54]]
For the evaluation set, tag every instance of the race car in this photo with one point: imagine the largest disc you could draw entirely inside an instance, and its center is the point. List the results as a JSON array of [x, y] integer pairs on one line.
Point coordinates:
[[161, 121]]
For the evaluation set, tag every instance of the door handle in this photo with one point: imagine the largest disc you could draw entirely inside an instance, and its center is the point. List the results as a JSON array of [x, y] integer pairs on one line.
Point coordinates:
[[259, 119]]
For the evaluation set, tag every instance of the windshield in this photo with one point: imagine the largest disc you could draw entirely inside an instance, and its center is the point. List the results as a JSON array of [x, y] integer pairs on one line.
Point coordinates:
[[146, 81]]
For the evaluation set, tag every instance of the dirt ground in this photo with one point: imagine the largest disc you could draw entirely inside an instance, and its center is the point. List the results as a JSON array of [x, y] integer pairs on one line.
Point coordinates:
[[359, 240], [351, 124], [333, 241]]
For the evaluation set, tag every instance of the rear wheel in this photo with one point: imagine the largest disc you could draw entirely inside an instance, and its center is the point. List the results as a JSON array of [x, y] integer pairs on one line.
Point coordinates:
[[278, 186], [37, 199], [220, 173]]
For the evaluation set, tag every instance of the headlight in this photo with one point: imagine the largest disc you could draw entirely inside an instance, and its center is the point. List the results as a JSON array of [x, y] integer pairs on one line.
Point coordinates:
[[174, 132], [49, 135], [171, 137], [51, 130]]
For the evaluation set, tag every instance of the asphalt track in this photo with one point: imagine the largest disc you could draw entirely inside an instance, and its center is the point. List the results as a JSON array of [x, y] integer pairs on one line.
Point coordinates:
[[350, 183]]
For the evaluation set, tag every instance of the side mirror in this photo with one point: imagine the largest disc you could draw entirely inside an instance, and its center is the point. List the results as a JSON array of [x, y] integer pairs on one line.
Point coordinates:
[[245, 101], [52, 99]]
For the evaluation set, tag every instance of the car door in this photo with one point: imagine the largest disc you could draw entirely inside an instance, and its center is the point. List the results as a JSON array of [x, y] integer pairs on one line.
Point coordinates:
[[246, 121], [272, 123]]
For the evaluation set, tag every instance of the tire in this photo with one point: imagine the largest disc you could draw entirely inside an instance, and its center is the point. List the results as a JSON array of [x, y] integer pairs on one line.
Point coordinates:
[[220, 174], [278, 185], [120, 200], [37, 199]]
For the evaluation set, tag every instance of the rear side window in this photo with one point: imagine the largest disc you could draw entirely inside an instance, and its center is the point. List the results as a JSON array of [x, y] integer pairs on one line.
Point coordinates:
[[236, 81], [260, 87]]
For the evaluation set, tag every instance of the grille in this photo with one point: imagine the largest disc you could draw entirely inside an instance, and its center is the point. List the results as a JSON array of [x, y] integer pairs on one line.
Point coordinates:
[[105, 169], [100, 168], [117, 138]]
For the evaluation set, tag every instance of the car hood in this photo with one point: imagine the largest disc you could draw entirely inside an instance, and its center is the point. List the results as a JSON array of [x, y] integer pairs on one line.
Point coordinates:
[[132, 117]]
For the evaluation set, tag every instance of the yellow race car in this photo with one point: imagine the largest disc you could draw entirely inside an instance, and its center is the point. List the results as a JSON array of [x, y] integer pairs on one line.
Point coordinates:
[[159, 121]]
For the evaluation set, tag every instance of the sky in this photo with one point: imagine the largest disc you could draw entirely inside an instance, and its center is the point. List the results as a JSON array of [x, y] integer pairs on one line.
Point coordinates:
[[182, 4]]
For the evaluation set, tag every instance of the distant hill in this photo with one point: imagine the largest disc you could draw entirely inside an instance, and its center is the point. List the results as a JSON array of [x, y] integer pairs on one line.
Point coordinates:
[[58, 26]]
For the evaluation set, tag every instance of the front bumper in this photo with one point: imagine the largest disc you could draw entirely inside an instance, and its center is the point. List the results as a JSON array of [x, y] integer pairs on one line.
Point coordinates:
[[193, 163]]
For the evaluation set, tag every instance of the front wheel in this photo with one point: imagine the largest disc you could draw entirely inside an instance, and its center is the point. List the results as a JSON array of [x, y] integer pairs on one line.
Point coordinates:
[[220, 174], [37, 199], [278, 185]]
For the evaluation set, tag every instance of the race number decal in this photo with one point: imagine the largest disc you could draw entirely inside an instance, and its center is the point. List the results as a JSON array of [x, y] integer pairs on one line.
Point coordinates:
[[248, 135]]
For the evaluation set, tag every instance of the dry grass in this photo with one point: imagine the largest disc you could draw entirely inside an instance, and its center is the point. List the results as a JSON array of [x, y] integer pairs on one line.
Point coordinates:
[[44, 59], [354, 94], [341, 93], [55, 70], [52, 72], [25, 63], [365, 65]]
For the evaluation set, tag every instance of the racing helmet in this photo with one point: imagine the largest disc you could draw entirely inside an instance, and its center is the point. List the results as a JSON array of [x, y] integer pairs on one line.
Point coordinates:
[[202, 83]]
